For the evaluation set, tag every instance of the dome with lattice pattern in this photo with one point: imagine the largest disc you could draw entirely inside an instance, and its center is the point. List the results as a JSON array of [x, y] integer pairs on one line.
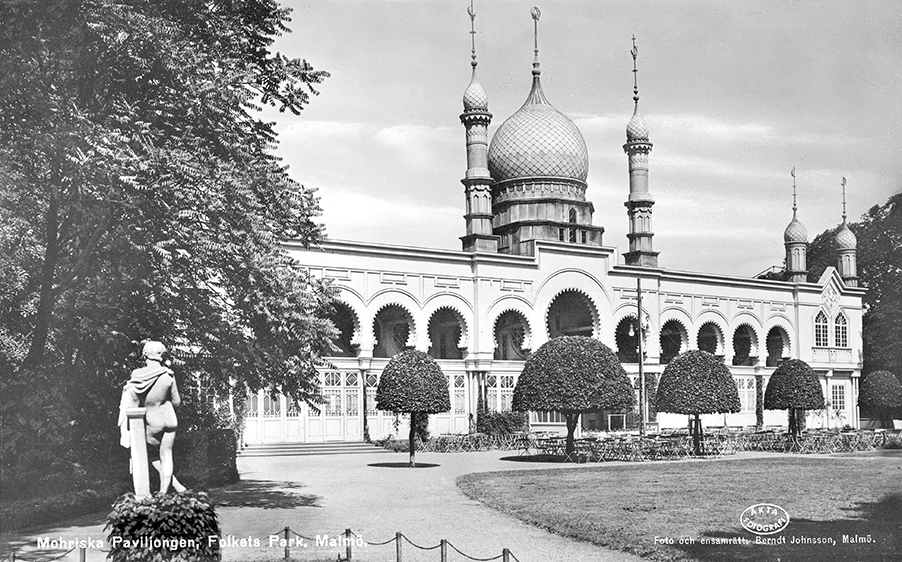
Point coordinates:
[[475, 97], [538, 141], [795, 231], [637, 128], [845, 238]]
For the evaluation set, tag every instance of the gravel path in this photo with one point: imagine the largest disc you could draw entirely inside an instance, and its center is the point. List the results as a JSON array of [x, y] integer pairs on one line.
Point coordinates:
[[324, 495], [425, 504]]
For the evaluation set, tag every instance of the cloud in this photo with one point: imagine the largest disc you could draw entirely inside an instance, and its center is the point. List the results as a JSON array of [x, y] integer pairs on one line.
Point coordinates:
[[331, 129]]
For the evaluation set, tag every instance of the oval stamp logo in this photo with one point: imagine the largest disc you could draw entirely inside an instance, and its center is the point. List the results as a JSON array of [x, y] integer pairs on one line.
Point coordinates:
[[764, 519]]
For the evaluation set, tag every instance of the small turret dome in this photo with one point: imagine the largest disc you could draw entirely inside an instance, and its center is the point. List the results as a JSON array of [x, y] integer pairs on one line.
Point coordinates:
[[538, 141], [637, 128], [475, 97], [845, 238], [795, 231]]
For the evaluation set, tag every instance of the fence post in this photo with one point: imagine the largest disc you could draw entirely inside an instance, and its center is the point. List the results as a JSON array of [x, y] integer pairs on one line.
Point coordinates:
[[287, 548], [398, 547], [81, 554], [505, 555], [347, 544], [12, 557], [444, 550]]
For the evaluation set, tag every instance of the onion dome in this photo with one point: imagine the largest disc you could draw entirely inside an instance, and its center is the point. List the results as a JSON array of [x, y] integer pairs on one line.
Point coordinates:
[[538, 141], [475, 98], [637, 128], [845, 238], [795, 231]]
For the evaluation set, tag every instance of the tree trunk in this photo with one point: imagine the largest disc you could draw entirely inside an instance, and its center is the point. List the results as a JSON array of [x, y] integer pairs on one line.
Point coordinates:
[[697, 435], [571, 428], [413, 435], [793, 422], [44, 311]]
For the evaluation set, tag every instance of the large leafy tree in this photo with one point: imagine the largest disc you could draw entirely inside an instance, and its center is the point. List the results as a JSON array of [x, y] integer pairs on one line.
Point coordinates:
[[573, 375], [696, 383], [794, 387], [413, 383], [881, 391], [879, 255], [139, 198]]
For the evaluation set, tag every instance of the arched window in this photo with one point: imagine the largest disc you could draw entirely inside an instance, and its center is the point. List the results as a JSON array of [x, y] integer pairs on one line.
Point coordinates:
[[572, 216], [821, 330], [344, 319], [392, 328], [709, 338], [840, 331], [510, 336], [744, 346], [445, 328], [571, 314], [777, 346], [627, 339], [672, 338]]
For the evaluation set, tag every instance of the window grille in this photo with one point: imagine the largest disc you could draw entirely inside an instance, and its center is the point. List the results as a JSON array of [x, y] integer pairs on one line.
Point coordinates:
[[838, 396], [841, 331], [821, 330]]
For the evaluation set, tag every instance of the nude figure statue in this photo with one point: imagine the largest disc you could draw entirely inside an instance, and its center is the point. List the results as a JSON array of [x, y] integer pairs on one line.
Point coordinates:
[[153, 387]]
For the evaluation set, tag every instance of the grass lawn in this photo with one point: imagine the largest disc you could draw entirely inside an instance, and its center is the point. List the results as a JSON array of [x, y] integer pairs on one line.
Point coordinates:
[[626, 507]]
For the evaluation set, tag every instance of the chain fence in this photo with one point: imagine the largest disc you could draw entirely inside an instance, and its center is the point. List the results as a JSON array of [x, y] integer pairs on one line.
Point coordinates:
[[349, 540]]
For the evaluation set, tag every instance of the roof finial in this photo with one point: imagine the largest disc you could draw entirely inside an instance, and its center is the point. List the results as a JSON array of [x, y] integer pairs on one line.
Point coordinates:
[[536, 14], [472, 11], [793, 174], [635, 52], [844, 199]]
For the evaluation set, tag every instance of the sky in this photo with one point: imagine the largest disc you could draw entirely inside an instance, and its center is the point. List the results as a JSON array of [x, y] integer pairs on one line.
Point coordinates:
[[735, 94]]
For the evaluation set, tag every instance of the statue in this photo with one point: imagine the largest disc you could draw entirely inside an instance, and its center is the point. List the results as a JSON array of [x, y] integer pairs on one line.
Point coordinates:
[[153, 388]]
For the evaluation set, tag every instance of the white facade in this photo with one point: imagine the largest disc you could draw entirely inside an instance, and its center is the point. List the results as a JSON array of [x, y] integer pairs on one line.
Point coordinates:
[[475, 290]]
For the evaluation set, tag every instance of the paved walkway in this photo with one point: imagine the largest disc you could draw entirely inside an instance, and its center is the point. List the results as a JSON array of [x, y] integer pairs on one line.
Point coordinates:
[[324, 495]]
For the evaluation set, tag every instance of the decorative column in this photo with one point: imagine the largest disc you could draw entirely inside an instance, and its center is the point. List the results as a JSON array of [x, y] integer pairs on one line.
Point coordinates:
[[795, 240], [640, 202], [846, 244], [477, 182]]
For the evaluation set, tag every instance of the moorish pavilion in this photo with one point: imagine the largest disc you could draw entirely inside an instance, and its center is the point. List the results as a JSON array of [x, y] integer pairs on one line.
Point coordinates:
[[534, 265]]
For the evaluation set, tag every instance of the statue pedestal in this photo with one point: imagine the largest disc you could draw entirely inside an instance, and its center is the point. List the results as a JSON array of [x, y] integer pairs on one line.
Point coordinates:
[[140, 470]]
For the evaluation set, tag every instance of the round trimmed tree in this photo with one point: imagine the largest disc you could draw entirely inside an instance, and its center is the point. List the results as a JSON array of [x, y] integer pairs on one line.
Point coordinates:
[[794, 387], [696, 383], [413, 383], [572, 375], [881, 391]]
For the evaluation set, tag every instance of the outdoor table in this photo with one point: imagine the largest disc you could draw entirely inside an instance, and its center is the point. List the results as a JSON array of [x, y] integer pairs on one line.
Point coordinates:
[[526, 442]]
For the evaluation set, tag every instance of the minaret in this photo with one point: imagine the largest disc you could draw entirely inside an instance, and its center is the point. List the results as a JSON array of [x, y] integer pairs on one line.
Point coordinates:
[[846, 244], [478, 182], [795, 239], [640, 202]]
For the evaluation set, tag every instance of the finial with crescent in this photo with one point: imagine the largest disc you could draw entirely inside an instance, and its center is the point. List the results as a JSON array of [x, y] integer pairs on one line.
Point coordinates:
[[536, 13]]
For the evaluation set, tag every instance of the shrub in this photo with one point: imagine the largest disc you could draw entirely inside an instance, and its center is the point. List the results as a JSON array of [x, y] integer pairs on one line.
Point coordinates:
[[183, 520], [794, 387], [503, 423], [696, 383], [206, 458], [572, 375], [413, 382], [881, 391]]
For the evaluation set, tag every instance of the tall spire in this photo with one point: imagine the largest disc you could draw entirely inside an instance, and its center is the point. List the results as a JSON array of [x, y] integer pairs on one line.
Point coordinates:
[[844, 199], [640, 202], [846, 245], [635, 52], [536, 14], [472, 11], [795, 240], [477, 182]]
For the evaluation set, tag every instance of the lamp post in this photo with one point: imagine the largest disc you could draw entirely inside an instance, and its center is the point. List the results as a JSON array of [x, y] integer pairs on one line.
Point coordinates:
[[643, 402]]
